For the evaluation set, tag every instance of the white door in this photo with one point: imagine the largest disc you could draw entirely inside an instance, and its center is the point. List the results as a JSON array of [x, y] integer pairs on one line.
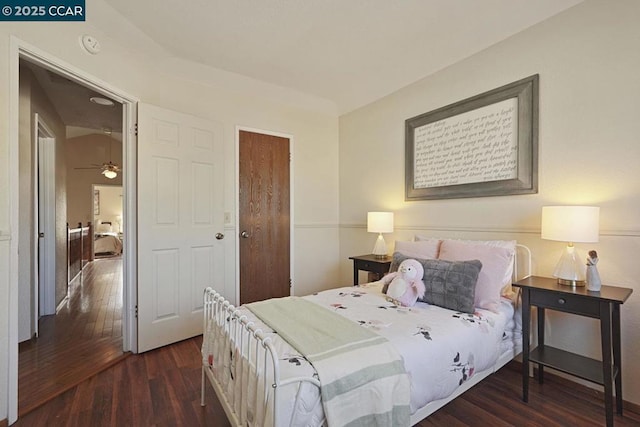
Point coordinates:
[[44, 302], [179, 214]]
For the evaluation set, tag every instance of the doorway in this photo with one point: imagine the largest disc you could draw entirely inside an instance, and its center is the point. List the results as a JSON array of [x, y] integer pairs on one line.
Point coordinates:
[[264, 218], [24, 218]]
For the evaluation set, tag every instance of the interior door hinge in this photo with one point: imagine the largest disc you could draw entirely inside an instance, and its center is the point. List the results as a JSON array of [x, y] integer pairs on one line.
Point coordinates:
[[290, 284], [136, 312], [135, 129]]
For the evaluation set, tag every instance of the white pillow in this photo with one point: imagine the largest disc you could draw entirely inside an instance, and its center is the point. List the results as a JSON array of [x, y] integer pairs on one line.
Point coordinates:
[[497, 267], [425, 249], [103, 228]]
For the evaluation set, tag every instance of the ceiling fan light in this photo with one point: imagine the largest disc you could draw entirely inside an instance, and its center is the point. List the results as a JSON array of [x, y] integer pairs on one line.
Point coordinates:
[[108, 173]]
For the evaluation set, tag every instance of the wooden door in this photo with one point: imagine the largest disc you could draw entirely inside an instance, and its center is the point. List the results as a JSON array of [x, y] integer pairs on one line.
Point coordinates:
[[264, 217], [179, 214]]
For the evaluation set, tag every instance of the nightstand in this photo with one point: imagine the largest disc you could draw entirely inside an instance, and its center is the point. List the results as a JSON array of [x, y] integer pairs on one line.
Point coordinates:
[[544, 292], [372, 264]]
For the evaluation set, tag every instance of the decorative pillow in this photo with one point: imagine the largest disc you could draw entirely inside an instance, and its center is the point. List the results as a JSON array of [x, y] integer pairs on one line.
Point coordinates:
[[497, 268], [103, 227], [427, 249], [398, 257], [451, 284]]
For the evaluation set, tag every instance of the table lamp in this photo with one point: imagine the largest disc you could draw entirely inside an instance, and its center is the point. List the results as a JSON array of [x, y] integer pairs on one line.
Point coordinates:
[[571, 224], [380, 222]]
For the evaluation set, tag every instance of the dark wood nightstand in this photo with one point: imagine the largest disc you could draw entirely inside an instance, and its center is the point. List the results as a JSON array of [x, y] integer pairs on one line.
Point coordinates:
[[372, 264], [544, 292]]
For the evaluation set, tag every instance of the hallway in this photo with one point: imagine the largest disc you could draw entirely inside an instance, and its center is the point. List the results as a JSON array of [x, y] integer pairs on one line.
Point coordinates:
[[84, 338]]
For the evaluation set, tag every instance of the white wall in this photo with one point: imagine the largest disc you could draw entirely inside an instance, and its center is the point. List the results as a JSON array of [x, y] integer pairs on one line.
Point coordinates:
[[34, 101], [82, 152], [110, 206], [225, 98], [587, 58]]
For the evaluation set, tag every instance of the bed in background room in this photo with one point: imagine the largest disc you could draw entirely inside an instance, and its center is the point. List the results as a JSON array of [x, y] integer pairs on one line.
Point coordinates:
[[107, 242], [267, 365]]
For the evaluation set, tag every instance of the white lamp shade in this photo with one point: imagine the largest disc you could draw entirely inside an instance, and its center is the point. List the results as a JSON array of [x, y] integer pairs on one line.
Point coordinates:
[[574, 224], [380, 222]]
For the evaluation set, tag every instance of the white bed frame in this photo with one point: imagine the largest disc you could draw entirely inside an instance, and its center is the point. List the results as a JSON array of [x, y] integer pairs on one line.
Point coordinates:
[[245, 336]]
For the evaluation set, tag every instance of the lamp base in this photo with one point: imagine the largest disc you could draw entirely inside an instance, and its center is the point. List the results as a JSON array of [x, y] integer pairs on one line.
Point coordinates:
[[380, 249], [569, 270], [572, 283]]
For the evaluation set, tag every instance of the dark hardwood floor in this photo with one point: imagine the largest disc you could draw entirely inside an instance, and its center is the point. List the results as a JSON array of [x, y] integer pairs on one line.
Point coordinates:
[[157, 388], [82, 339], [162, 388]]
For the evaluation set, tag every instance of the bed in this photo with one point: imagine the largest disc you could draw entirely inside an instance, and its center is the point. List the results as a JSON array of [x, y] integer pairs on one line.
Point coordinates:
[[261, 379], [106, 241]]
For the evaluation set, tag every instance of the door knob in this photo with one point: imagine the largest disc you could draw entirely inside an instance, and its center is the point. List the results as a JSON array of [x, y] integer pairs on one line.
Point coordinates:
[[219, 236], [244, 234]]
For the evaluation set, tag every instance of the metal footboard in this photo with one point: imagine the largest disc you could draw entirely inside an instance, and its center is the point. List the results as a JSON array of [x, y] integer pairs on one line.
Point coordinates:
[[241, 364]]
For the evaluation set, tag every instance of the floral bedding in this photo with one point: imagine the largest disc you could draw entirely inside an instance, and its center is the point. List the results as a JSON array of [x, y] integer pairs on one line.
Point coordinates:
[[441, 348]]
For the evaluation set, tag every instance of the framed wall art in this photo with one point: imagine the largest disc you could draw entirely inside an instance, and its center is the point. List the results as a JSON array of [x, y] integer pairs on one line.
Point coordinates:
[[486, 145], [96, 202]]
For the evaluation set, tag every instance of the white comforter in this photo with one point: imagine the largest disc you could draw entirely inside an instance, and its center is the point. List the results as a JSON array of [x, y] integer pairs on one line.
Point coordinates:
[[107, 243], [441, 348]]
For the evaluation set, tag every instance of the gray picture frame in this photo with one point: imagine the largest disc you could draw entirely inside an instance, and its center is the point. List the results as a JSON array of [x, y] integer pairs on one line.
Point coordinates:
[[524, 94]]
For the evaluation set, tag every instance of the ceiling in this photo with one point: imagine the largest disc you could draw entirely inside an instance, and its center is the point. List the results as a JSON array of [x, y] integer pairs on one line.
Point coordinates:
[[71, 101], [351, 52]]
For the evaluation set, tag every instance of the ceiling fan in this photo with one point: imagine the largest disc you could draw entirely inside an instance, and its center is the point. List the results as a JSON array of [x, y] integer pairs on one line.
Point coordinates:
[[109, 170]]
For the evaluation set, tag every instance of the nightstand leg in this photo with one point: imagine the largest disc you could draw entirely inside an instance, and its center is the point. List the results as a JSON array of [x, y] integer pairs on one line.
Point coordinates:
[[526, 325], [605, 332], [355, 275], [540, 342], [617, 361]]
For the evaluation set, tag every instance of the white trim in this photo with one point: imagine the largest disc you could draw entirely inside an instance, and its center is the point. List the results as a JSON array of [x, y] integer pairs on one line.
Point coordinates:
[[480, 229], [130, 226], [14, 102], [19, 49], [291, 203]]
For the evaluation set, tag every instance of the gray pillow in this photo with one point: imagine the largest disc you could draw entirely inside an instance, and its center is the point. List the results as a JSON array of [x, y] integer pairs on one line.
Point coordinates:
[[451, 284], [397, 259]]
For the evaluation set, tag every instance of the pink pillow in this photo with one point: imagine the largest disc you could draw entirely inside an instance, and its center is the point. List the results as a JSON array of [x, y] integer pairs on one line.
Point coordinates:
[[497, 268], [425, 249]]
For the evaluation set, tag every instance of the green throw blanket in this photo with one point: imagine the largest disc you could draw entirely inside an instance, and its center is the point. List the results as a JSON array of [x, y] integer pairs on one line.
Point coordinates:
[[363, 381]]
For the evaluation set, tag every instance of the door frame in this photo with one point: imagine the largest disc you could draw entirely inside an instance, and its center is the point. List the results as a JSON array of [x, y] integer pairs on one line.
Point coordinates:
[[44, 291], [237, 202], [19, 49]]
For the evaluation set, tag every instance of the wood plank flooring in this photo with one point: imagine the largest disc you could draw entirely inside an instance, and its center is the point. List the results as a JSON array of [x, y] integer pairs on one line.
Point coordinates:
[[162, 388], [157, 388], [82, 339]]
